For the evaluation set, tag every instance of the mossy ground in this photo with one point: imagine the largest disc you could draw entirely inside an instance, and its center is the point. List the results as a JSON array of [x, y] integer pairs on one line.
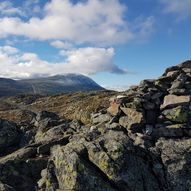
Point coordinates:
[[70, 105]]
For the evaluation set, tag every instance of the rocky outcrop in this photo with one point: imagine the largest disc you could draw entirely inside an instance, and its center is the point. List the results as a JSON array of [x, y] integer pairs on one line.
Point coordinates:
[[9, 135], [141, 142], [176, 158]]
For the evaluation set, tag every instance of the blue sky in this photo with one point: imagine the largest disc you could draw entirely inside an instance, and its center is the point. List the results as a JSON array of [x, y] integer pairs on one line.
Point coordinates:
[[116, 42]]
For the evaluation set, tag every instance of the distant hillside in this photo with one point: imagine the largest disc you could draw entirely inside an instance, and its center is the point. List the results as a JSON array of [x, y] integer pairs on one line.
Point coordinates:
[[49, 85], [9, 87]]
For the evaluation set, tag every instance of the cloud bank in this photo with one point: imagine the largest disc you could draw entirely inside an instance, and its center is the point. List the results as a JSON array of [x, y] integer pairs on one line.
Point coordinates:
[[98, 22], [92, 21], [89, 60], [61, 45], [65, 25]]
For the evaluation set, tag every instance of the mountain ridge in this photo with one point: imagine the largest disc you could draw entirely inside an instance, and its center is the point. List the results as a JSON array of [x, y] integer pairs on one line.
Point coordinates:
[[65, 83]]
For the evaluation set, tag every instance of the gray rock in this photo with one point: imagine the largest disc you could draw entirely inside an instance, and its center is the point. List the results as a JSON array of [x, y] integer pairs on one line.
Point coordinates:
[[173, 100], [9, 134], [186, 64], [4, 187], [176, 157], [74, 171], [105, 164], [124, 121], [177, 114], [182, 91], [174, 74], [42, 182], [21, 169], [171, 131], [45, 114], [101, 118], [178, 84], [171, 69], [45, 147]]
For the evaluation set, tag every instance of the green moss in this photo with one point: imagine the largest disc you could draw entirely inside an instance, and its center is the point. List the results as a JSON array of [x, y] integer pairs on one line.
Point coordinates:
[[48, 184], [103, 165], [81, 167], [178, 114]]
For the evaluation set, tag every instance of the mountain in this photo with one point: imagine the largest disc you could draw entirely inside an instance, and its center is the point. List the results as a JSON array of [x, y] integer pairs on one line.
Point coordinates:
[[49, 85], [9, 87]]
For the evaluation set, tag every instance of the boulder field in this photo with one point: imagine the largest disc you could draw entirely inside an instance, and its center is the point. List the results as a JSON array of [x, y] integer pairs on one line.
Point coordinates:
[[141, 142]]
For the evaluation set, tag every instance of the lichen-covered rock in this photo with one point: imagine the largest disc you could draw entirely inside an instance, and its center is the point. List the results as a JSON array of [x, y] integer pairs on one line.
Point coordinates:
[[123, 163], [44, 121], [124, 121], [112, 162], [179, 114], [21, 170], [74, 171], [176, 158], [133, 120], [52, 134], [100, 118]]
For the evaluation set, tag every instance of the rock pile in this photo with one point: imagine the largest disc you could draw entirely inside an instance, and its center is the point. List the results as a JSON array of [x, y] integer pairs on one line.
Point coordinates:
[[161, 107], [142, 142]]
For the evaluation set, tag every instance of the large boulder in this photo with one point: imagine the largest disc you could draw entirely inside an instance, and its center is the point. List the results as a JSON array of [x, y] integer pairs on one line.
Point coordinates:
[[111, 162], [179, 114], [21, 169], [44, 121], [133, 119], [72, 170], [176, 158], [9, 134], [173, 100]]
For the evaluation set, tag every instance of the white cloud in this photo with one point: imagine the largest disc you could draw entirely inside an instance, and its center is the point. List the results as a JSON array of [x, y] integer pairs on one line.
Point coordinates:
[[144, 28], [91, 60], [9, 50], [119, 88], [31, 7], [93, 21], [180, 8], [6, 8], [64, 25], [61, 45], [83, 60]]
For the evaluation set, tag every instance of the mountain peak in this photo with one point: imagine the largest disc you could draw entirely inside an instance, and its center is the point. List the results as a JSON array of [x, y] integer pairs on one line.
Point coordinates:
[[64, 83]]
